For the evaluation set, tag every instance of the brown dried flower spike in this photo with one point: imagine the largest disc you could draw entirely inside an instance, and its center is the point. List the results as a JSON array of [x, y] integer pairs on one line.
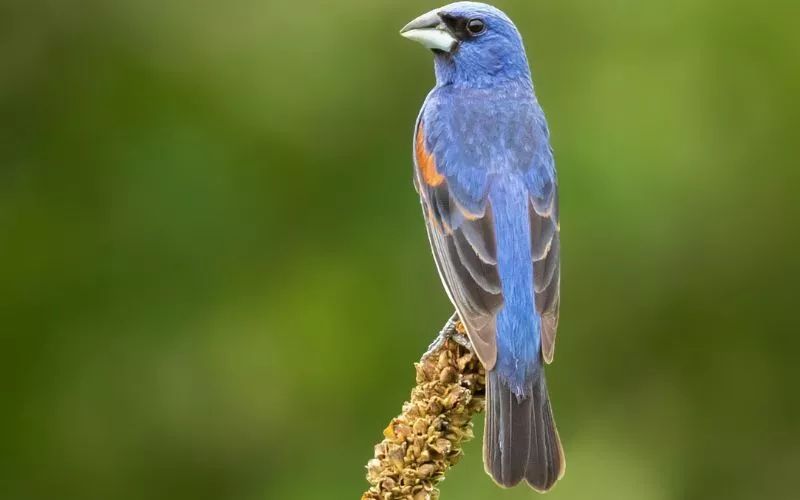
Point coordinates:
[[425, 439]]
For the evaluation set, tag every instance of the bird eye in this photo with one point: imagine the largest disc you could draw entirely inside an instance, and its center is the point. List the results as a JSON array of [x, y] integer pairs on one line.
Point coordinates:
[[476, 26]]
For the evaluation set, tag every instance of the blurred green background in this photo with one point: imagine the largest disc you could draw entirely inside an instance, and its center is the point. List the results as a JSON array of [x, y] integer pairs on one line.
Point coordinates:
[[214, 276]]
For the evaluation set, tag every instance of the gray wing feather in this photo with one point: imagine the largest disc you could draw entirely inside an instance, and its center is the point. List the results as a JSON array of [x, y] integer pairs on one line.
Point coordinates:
[[472, 284], [546, 244]]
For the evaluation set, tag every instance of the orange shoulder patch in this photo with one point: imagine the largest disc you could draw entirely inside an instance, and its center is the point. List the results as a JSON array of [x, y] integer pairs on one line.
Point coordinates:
[[426, 162]]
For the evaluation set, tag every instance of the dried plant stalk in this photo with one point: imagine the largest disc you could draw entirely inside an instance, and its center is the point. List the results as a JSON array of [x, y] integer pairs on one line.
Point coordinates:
[[425, 439]]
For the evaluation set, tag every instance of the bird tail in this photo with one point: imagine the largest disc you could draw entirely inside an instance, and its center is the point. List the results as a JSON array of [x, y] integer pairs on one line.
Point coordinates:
[[520, 437]]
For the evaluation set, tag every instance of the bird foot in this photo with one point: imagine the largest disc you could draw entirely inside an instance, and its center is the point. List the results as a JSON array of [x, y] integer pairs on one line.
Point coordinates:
[[452, 331]]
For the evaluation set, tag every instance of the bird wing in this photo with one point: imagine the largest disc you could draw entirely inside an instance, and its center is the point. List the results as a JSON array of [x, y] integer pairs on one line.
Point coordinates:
[[545, 244], [464, 249]]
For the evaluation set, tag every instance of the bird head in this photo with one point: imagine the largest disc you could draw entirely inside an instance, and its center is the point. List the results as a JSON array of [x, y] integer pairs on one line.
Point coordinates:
[[473, 44]]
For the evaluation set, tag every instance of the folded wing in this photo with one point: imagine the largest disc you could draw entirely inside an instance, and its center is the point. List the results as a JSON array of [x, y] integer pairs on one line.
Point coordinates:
[[464, 251]]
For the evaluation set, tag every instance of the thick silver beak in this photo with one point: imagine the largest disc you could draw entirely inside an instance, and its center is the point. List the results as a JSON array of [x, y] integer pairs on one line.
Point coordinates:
[[429, 30]]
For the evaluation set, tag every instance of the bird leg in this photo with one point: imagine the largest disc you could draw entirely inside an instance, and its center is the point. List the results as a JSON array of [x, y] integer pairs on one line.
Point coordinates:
[[450, 330]]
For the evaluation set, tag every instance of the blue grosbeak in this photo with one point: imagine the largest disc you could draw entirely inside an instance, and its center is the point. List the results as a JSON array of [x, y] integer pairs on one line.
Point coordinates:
[[487, 181]]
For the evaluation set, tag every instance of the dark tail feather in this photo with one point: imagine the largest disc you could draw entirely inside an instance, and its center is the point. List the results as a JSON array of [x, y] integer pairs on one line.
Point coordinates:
[[520, 437]]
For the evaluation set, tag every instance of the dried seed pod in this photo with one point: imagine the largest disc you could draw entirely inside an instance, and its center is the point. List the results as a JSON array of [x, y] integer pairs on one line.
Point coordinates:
[[426, 470], [426, 438], [442, 446]]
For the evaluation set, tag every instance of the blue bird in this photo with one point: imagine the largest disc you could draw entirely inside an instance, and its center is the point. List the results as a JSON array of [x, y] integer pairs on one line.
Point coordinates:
[[485, 174]]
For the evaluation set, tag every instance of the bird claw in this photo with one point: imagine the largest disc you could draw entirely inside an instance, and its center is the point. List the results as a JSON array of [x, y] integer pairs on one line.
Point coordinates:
[[449, 331]]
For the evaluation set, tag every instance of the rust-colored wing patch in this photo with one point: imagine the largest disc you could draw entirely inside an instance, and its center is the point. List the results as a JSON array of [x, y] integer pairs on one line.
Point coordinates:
[[426, 162]]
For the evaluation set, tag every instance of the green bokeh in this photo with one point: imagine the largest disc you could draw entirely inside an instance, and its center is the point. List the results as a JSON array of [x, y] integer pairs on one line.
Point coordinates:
[[214, 275]]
